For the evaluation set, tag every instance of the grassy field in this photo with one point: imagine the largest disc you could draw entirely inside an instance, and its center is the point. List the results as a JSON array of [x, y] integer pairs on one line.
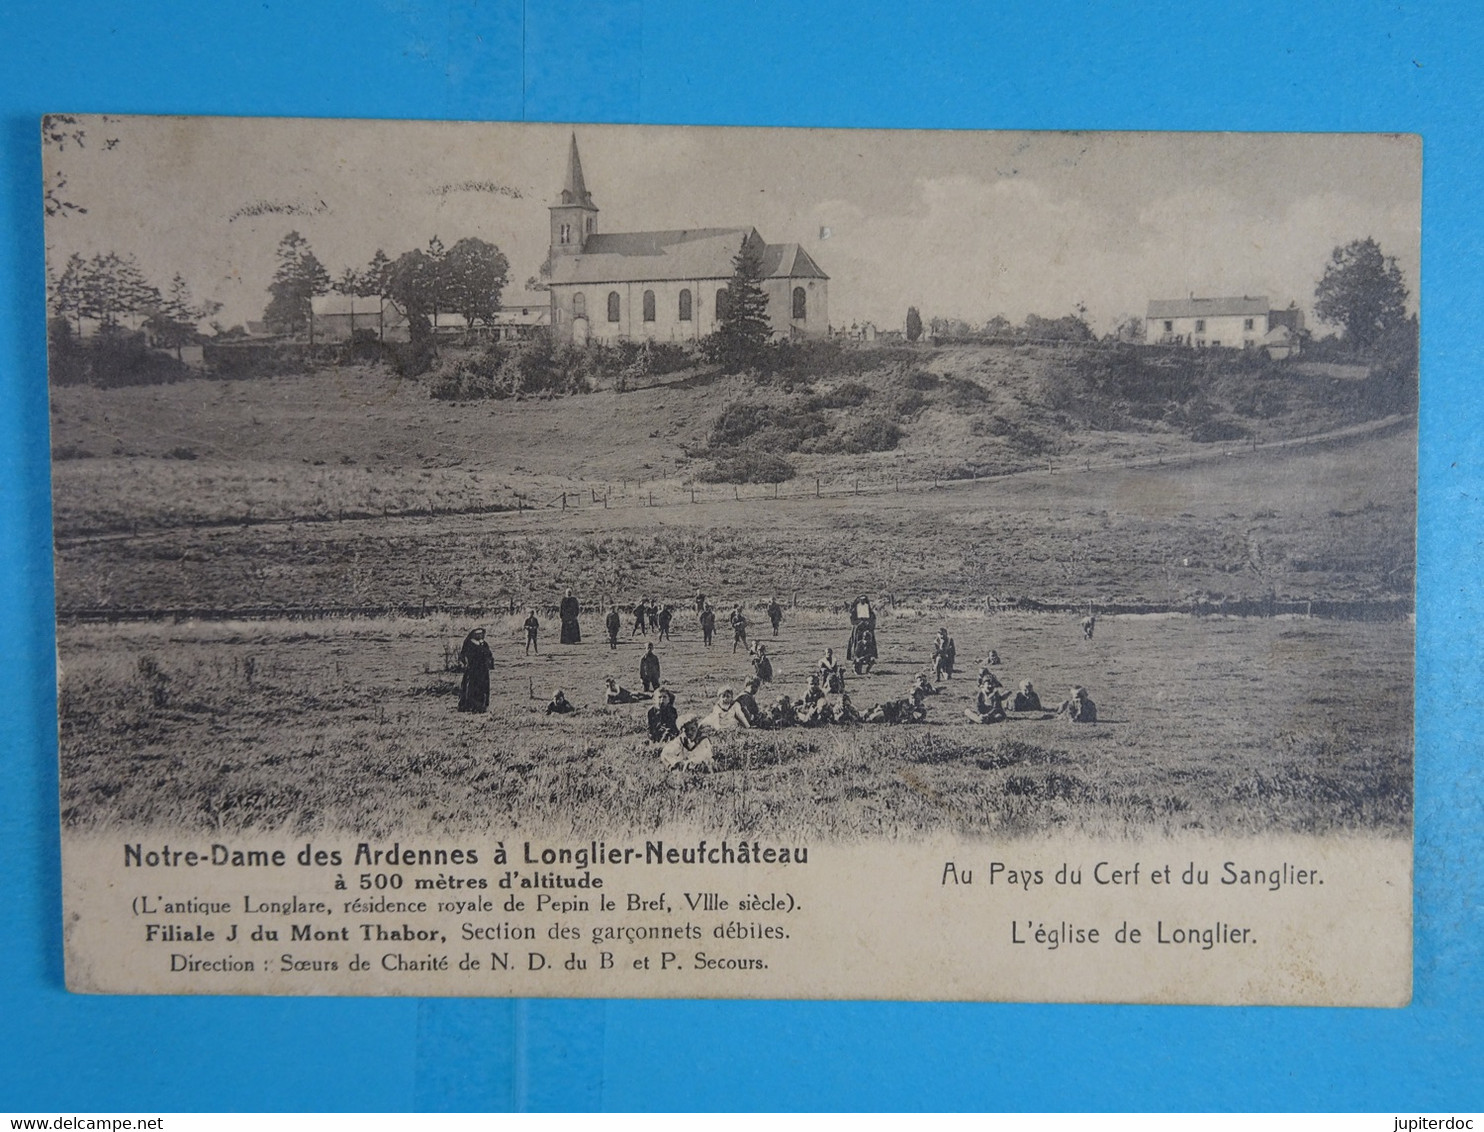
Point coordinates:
[[1224, 725], [1331, 522], [350, 488]]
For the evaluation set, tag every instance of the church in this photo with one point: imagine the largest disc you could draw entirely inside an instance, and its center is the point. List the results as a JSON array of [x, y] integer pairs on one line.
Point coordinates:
[[666, 286]]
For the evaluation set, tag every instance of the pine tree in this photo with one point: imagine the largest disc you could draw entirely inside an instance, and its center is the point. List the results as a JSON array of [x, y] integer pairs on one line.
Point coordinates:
[[744, 330], [299, 278], [914, 324]]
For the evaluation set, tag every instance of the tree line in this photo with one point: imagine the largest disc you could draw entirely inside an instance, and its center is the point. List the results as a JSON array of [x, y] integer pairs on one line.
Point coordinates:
[[1361, 292], [465, 279]]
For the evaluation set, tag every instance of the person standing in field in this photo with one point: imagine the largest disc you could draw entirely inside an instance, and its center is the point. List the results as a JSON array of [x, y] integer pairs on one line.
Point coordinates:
[[944, 654], [641, 624], [477, 659], [665, 615], [1089, 623], [775, 614], [533, 627], [649, 669], [708, 625], [762, 667], [613, 624], [570, 610], [739, 628]]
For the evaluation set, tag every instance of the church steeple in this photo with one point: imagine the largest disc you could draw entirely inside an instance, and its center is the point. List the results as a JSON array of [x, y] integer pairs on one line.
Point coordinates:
[[574, 216], [575, 190]]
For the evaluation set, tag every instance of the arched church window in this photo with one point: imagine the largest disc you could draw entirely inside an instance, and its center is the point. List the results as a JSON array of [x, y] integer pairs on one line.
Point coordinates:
[[612, 306], [579, 305], [648, 306], [589, 225], [801, 304], [721, 303], [566, 233], [685, 304]]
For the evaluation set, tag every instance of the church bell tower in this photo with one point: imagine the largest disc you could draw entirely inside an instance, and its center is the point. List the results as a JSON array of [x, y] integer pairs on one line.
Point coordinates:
[[574, 216]]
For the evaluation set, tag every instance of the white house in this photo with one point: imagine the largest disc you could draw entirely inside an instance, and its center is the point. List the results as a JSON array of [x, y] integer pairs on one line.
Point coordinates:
[[1238, 322]]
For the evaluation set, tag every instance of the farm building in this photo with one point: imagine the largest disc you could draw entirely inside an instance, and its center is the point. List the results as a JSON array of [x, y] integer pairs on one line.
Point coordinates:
[[338, 317], [668, 286], [1239, 322], [1236, 322]]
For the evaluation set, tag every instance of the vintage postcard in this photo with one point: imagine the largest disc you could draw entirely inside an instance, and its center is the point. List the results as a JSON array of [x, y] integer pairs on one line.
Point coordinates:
[[630, 561]]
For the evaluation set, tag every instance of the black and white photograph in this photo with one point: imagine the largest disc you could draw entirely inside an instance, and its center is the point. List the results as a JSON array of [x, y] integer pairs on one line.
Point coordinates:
[[806, 511]]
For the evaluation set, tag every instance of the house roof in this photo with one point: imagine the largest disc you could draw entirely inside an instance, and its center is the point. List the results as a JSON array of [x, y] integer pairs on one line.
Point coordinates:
[[516, 300], [335, 303], [681, 253], [1208, 308]]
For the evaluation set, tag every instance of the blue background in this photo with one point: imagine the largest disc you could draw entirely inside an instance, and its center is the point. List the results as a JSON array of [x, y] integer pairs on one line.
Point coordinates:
[[1178, 66]]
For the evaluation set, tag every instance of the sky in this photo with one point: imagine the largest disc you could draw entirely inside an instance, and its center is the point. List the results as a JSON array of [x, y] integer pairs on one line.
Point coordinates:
[[960, 224]]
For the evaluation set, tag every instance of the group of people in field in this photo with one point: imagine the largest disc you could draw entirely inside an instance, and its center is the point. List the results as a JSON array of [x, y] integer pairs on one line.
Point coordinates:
[[822, 701], [993, 702]]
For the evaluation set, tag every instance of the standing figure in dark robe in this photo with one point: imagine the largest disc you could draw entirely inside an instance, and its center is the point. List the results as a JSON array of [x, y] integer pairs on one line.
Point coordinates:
[[477, 659], [775, 615], [708, 625], [649, 669], [569, 610], [533, 627], [861, 648], [613, 625]]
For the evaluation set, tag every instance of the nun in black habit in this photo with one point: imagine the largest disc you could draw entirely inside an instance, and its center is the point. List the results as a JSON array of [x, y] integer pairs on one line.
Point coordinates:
[[569, 610], [477, 660]]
